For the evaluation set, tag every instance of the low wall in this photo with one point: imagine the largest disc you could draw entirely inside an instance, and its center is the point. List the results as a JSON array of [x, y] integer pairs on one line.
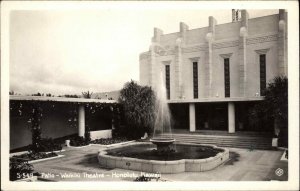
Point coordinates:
[[101, 134], [170, 167]]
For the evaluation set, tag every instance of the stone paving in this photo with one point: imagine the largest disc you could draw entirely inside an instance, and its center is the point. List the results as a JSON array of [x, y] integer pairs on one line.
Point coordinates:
[[81, 164]]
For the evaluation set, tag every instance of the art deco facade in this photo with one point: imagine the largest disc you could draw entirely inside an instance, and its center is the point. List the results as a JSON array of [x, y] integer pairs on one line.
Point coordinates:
[[213, 73]]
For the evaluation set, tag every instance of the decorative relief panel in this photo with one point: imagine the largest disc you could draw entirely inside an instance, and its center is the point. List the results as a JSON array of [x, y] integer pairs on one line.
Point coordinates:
[[195, 48], [170, 50], [262, 39], [226, 44]]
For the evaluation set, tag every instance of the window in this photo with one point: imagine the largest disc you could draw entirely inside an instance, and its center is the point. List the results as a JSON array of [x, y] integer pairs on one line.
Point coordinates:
[[262, 64], [195, 79], [227, 77], [168, 81]]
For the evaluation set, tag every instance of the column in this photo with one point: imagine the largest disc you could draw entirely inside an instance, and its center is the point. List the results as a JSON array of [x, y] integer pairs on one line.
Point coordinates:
[[192, 117], [81, 121], [282, 43], [152, 58], [209, 56], [243, 53], [231, 118], [177, 67]]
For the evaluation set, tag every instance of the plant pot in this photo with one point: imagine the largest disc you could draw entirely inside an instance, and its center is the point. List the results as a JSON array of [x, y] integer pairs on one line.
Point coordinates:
[[67, 143], [275, 142]]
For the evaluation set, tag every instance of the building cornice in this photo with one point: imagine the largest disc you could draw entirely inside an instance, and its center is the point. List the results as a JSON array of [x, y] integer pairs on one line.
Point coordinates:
[[59, 99], [219, 44], [204, 100]]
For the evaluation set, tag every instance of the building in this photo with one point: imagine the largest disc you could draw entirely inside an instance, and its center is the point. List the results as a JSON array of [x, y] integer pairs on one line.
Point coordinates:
[[59, 116], [213, 75]]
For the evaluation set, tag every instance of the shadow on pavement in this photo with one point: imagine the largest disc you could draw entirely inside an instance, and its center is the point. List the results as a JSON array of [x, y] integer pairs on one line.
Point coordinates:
[[233, 157]]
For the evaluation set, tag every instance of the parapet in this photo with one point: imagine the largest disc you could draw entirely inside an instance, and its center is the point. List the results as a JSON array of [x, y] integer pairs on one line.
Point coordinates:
[[183, 27], [245, 18], [212, 23], [156, 34]]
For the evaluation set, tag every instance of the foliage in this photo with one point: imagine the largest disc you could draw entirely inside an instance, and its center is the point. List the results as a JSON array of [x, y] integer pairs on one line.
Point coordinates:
[[274, 107], [70, 96], [35, 127], [260, 121], [78, 141], [38, 94], [117, 120], [276, 100], [87, 95], [31, 155], [18, 167], [48, 145], [139, 105], [109, 141]]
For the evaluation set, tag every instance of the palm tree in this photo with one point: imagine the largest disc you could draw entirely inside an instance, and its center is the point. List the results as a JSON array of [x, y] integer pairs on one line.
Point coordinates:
[[87, 94]]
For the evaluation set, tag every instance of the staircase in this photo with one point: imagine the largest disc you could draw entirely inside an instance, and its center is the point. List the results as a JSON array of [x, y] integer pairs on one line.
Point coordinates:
[[247, 142]]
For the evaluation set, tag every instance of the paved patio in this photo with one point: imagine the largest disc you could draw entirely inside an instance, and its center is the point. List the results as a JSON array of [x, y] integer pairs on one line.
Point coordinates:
[[81, 164]]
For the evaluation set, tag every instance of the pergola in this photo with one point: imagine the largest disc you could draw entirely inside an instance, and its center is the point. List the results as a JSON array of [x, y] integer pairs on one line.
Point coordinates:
[[79, 101]]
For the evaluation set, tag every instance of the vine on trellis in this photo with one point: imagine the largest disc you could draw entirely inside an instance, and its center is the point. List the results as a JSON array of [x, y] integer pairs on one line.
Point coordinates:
[[35, 126], [34, 111]]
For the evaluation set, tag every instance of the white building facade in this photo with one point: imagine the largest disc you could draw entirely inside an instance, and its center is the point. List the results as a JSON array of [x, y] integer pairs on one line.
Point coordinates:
[[214, 74]]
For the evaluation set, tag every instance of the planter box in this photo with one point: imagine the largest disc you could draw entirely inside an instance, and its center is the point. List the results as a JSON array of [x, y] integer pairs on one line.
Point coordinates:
[[25, 152], [113, 145], [80, 146], [44, 159]]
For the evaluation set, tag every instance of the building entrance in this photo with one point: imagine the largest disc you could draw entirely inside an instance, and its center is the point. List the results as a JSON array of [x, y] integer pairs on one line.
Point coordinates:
[[179, 116], [212, 116]]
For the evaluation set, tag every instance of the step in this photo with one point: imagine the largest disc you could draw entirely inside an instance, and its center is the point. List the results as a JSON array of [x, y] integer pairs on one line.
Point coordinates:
[[237, 140], [213, 141], [218, 138], [232, 144], [222, 142], [239, 146], [223, 137]]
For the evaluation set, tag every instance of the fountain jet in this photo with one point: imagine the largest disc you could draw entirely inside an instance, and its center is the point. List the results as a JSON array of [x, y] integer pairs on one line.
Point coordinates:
[[162, 135]]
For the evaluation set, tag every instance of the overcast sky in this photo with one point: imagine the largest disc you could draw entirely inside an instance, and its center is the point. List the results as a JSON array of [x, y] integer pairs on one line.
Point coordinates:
[[67, 52]]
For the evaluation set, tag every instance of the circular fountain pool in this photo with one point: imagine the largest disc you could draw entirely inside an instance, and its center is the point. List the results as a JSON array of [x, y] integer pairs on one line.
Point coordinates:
[[182, 158]]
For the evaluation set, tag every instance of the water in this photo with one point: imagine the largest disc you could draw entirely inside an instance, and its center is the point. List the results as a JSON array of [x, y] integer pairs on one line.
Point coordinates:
[[148, 152], [162, 125]]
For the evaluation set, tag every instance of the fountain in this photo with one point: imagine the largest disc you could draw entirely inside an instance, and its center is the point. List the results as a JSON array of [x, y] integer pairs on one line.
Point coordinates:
[[162, 134], [159, 154]]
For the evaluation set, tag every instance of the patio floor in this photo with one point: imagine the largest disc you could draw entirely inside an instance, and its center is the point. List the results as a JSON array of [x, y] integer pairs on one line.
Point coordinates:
[[81, 164]]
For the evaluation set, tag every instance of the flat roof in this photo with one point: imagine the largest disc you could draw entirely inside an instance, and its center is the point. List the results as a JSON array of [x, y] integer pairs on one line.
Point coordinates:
[[59, 99], [84, 100], [208, 100]]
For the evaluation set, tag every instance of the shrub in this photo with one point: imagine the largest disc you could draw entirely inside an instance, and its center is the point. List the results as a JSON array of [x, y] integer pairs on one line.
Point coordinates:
[[78, 141], [139, 109], [35, 155], [274, 108], [109, 141], [18, 168]]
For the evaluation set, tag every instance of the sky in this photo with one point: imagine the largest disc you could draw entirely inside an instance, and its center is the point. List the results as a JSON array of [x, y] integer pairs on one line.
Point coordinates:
[[71, 51]]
